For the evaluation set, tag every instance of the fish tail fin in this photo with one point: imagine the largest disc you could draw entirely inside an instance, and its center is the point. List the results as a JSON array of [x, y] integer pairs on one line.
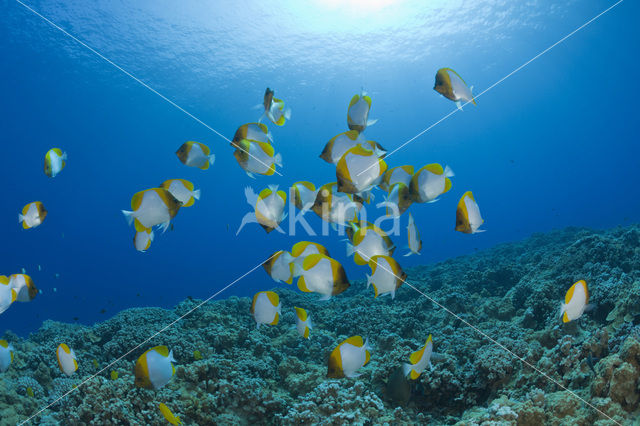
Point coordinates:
[[408, 254], [164, 226], [151, 235], [64, 156], [21, 218], [448, 172], [277, 159], [406, 369], [212, 159], [459, 105], [196, 194], [350, 249], [367, 346], [127, 215], [309, 323], [563, 308], [287, 114]]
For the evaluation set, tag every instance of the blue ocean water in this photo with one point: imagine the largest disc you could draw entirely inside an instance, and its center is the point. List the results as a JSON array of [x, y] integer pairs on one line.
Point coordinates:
[[554, 145]]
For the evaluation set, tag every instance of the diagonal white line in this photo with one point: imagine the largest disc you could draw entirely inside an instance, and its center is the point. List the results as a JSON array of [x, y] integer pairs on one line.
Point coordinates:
[[163, 329], [500, 345], [118, 67], [498, 82]]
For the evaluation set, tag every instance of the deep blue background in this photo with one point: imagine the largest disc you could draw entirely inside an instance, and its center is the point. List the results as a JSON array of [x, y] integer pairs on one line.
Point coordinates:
[[555, 145]]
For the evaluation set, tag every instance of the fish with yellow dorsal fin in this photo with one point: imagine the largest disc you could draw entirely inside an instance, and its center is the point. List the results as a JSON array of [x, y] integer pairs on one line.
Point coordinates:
[[303, 322], [343, 142], [8, 294], [257, 157], [431, 181], [182, 190], [402, 174], [142, 240], [359, 170], [25, 289], [301, 250], [32, 215], [450, 85], [398, 200], [386, 276], [252, 131], [348, 357], [303, 195], [66, 359], [280, 266], [54, 162], [576, 302], [265, 308], [274, 108], [6, 355], [334, 207], [195, 154], [168, 415], [368, 241], [154, 368], [468, 218], [151, 207], [323, 275], [419, 360], [358, 112], [415, 243]]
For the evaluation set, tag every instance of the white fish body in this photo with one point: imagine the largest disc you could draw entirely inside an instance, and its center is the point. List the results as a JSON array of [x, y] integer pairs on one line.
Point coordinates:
[[577, 303], [18, 282], [6, 356], [182, 193], [152, 211], [432, 185], [259, 161], [142, 240], [344, 143], [281, 270], [8, 295], [415, 243], [57, 162], [303, 326], [319, 278], [373, 244], [264, 311], [353, 358], [383, 279], [423, 360], [31, 217], [306, 195], [361, 168], [475, 219], [160, 368], [270, 209], [197, 157], [67, 360]]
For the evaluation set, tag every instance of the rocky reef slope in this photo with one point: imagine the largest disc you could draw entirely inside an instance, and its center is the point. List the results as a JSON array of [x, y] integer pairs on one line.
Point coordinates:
[[270, 375]]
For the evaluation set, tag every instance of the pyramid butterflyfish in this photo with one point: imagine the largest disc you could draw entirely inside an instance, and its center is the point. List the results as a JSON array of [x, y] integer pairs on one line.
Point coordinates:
[[348, 357]]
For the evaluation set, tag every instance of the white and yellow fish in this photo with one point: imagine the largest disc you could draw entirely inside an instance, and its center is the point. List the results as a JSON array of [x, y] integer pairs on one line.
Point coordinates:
[[195, 154], [419, 360], [334, 207], [343, 142], [257, 157], [386, 275], [151, 207], [154, 368], [268, 208], [303, 322], [182, 190], [6, 355], [431, 181], [450, 85], [368, 241], [576, 302], [265, 308], [359, 170], [398, 200], [323, 275], [468, 218], [415, 243], [168, 415], [394, 175], [280, 266], [54, 162], [301, 250], [304, 194], [25, 289], [274, 108], [32, 215], [358, 112], [66, 359], [8, 294], [348, 357], [252, 131], [142, 240]]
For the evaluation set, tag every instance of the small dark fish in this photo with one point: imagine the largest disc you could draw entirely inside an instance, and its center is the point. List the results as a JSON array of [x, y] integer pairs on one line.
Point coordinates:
[[398, 387], [137, 294], [592, 361], [102, 311], [76, 318]]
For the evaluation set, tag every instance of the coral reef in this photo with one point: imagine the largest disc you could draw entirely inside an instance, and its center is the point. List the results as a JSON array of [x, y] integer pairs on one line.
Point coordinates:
[[576, 373]]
